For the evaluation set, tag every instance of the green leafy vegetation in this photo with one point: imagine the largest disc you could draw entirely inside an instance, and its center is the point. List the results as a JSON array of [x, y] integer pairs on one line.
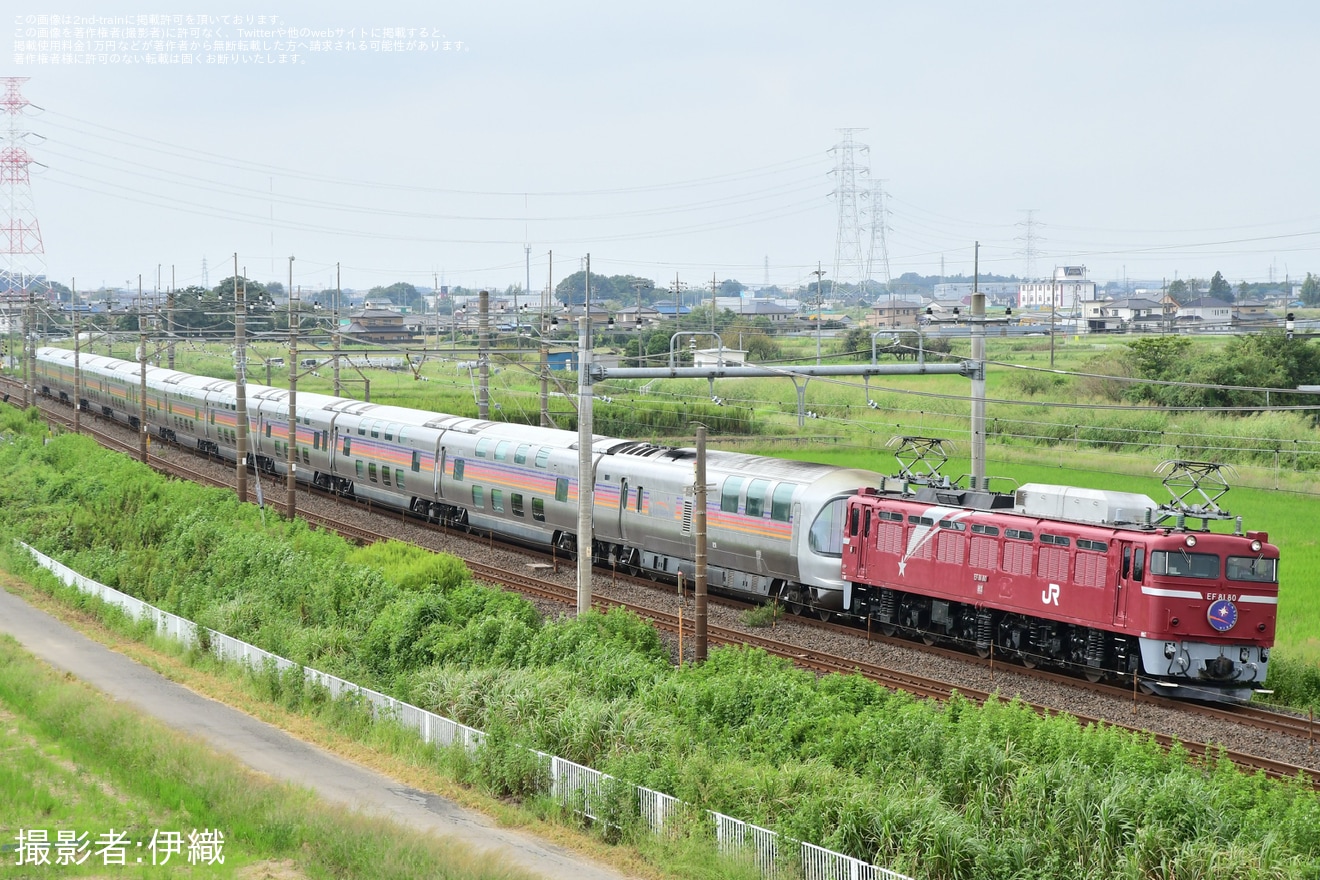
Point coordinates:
[[947, 791], [76, 761]]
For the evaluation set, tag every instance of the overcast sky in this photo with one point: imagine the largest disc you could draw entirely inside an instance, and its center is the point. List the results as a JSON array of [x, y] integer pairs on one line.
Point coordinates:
[[1150, 139]]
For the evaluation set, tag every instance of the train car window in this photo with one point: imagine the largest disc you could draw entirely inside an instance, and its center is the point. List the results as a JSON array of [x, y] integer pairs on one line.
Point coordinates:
[[953, 525], [729, 495], [1127, 562], [416, 461], [458, 469], [623, 497], [561, 489], [891, 516], [477, 499], [756, 492], [980, 529], [826, 534], [483, 447], [639, 498], [543, 457], [502, 450], [375, 430], [781, 504], [538, 509], [1097, 546], [1056, 540], [389, 432], [866, 523], [520, 457], [516, 503], [307, 459], [398, 477], [1139, 565], [852, 522], [1180, 563], [371, 472], [362, 429], [497, 500], [384, 475], [348, 444], [1253, 568], [921, 520], [400, 435], [359, 469], [1019, 534]]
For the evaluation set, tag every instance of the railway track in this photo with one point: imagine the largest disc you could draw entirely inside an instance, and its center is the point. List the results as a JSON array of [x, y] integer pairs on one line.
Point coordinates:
[[1274, 723]]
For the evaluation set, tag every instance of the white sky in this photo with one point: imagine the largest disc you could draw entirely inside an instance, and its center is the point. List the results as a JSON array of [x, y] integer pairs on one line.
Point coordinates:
[[690, 138]]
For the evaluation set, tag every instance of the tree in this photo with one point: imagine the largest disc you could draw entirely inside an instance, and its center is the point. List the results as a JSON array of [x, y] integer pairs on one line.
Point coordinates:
[[1243, 291], [1179, 291], [401, 293], [1311, 290], [731, 287], [573, 289], [1220, 288]]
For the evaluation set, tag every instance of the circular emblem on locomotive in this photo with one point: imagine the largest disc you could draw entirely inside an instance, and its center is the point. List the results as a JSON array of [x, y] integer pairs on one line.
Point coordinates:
[[1222, 615]]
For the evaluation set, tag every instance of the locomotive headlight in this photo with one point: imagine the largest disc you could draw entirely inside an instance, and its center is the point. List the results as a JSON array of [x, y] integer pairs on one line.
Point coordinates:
[[1244, 654], [1255, 546], [1191, 540], [1169, 650]]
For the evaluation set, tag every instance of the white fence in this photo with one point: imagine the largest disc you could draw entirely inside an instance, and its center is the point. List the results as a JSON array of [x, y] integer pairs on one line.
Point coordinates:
[[570, 783]]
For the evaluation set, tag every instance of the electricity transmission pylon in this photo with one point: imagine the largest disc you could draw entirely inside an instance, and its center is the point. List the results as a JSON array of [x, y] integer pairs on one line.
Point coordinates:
[[849, 192]]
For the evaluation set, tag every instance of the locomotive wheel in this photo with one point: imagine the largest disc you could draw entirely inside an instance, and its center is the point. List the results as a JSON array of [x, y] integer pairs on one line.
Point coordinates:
[[928, 638], [1031, 661], [983, 653], [823, 614], [1093, 675], [888, 630]]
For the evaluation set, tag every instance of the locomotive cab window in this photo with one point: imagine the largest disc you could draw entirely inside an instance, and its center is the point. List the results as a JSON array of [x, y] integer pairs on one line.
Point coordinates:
[[1253, 568], [1179, 563], [826, 534]]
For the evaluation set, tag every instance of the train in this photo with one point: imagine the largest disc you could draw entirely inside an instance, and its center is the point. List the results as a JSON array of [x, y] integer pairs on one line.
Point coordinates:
[[1094, 580]]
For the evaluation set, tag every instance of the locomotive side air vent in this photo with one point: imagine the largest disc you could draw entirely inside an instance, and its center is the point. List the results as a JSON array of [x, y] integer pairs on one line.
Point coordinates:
[[1084, 505]]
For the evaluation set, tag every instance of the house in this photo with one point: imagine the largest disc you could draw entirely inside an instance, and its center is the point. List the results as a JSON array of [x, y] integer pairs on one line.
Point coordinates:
[[378, 325], [719, 357], [1205, 313], [1065, 292], [1132, 314], [670, 309], [757, 308], [895, 313], [1253, 313], [635, 316]]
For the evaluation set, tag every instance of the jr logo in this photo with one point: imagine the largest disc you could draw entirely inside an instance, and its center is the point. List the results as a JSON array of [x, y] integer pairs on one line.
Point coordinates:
[[1050, 596]]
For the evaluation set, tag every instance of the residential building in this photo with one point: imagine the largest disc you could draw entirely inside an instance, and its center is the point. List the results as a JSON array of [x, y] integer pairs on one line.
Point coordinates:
[[1065, 292]]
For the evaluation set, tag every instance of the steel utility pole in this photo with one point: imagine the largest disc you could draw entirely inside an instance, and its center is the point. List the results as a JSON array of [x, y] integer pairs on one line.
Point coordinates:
[[291, 478], [712, 302], [335, 339], [483, 355], [818, 273], [586, 475], [978, 374], [699, 527], [142, 377], [169, 322], [77, 362], [240, 382]]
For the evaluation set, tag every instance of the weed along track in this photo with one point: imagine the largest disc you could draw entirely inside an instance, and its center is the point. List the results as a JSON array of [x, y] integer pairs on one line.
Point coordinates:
[[1252, 737]]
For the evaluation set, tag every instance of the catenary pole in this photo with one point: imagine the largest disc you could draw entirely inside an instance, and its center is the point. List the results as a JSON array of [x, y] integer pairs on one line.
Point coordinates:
[[291, 477], [240, 382]]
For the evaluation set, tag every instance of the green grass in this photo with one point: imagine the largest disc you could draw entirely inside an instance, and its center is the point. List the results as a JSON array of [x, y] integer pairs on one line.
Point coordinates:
[[76, 761]]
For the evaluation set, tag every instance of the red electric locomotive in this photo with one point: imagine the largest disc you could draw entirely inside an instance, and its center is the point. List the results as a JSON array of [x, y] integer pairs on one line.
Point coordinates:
[[1093, 580]]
